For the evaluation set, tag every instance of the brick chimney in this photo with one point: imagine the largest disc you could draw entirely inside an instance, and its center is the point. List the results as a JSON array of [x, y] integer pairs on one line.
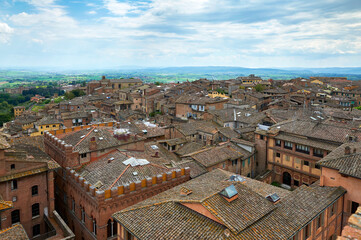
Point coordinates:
[[347, 150], [92, 144]]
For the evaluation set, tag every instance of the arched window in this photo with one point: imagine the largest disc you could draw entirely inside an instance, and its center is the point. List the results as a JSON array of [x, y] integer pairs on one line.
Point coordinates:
[[15, 216]]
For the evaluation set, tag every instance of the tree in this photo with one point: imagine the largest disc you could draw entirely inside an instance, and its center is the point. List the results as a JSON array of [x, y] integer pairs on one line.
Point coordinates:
[[259, 87]]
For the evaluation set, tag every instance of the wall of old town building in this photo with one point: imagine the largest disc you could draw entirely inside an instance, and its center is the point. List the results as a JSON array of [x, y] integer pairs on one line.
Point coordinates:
[[332, 178], [100, 205], [24, 200]]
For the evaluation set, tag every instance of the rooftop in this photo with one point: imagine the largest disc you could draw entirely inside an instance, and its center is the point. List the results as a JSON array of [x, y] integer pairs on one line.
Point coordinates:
[[172, 215]]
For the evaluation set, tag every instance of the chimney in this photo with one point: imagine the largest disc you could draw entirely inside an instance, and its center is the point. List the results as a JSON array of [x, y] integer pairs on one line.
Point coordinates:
[[156, 154], [354, 150], [347, 150], [93, 144]]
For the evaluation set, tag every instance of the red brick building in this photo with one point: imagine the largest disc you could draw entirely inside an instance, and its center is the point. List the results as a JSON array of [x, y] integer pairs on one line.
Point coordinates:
[[27, 187], [190, 106], [95, 181]]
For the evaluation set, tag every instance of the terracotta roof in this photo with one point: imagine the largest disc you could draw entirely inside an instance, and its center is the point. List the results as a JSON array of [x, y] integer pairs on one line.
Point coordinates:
[[334, 132], [329, 146], [349, 165], [188, 148], [16, 232], [111, 171], [37, 161], [214, 155], [80, 140], [193, 99], [196, 168], [169, 215], [5, 205]]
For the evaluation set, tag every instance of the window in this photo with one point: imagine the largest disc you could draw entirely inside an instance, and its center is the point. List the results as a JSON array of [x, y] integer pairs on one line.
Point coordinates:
[[243, 164], [333, 209], [94, 226], [36, 230], [261, 137], [83, 155], [317, 152], [53, 125], [15, 216], [354, 206], [288, 145], [287, 158], [249, 161], [111, 228], [278, 155], [73, 205], [12, 166], [35, 210], [34, 190], [307, 231], [278, 142], [83, 215], [224, 166], [302, 148], [14, 184], [319, 221], [306, 163], [296, 183], [317, 166], [234, 162]]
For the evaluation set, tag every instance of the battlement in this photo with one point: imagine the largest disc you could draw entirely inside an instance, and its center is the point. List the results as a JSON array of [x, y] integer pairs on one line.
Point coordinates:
[[171, 176], [51, 138]]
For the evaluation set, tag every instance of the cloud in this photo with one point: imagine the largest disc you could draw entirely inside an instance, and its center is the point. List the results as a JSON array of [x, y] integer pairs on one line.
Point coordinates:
[[192, 32], [118, 8], [5, 32]]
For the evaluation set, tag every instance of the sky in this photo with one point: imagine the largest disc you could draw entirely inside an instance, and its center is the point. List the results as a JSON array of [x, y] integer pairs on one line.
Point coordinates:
[[160, 33]]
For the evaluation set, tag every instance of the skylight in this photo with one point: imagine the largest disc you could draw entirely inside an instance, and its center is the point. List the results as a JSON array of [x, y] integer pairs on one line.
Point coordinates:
[[273, 197], [229, 192]]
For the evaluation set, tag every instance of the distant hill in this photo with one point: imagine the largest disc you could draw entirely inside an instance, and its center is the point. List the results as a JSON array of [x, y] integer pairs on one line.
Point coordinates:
[[176, 74]]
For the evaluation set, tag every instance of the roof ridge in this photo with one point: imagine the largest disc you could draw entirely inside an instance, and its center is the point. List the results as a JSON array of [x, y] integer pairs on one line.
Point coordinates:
[[84, 137]]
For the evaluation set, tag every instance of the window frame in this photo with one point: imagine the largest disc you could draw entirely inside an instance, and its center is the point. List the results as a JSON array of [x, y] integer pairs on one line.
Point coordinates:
[[34, 190], [35, 210]]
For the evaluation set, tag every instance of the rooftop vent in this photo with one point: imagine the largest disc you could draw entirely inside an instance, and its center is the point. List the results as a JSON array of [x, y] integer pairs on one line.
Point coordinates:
[[154, 147], [145, 131], [185, 191], [135, 173], [96, 130], [136, 162], [273, 198], [98, 185], [236, 178], [101, 138], [82, 136], [229, 193], [110, 160]]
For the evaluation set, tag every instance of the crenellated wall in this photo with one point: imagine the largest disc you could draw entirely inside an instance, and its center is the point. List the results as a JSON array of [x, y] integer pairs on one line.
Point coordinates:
[[99, 205]]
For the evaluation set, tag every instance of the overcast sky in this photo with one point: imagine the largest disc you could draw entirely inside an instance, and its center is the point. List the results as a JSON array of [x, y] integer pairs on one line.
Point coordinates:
[[244, 33]]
